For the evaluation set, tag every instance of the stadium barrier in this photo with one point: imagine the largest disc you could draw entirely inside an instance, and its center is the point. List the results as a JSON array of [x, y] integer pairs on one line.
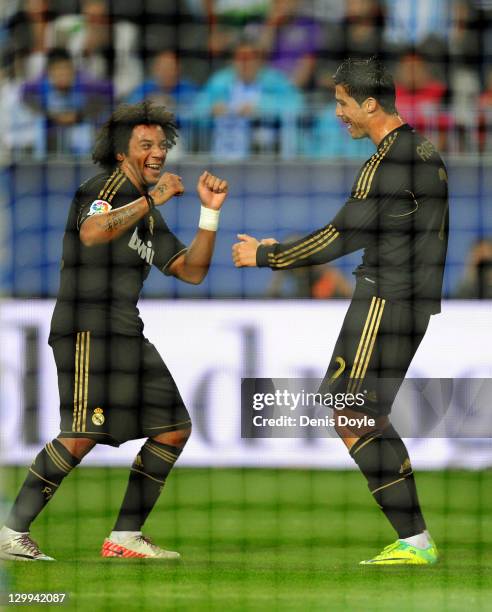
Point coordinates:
[[244, 340], [266, 199]]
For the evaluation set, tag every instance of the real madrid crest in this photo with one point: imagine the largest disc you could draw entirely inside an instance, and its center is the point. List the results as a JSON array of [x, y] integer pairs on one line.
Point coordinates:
[[98, 416], [151, 225]]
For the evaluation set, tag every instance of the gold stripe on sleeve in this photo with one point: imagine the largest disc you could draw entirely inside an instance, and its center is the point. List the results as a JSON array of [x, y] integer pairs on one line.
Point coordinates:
[[365, 182], [116, 187], [315, 238], [108, 184], [301, 248], [370, 177], [374, 163], [328, 240], [364, 173]]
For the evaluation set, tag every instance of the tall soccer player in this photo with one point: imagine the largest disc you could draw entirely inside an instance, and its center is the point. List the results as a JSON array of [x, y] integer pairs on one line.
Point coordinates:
[[397, 213], [113, 384]]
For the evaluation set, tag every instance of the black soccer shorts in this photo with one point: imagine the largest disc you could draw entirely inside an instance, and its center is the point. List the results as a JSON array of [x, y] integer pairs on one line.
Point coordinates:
[[376, 345], [115, 389]]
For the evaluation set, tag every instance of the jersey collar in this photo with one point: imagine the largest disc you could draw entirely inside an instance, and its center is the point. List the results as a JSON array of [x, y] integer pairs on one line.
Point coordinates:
[[404, 127]]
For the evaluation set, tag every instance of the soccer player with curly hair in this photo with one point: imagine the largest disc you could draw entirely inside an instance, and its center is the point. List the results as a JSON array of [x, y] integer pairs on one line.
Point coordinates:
[[113, 384]]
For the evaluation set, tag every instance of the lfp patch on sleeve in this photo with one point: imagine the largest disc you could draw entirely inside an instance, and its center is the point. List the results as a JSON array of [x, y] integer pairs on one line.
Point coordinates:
[[98, 207]]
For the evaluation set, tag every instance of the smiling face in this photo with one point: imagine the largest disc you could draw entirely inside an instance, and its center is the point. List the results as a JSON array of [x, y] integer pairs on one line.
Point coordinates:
[[144, 161], [353, 114]]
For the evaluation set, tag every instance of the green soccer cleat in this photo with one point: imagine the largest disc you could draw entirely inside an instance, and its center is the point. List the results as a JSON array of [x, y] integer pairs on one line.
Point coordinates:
[[402, 553]]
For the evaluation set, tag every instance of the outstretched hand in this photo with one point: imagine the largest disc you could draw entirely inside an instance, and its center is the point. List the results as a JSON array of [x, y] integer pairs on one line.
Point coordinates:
[[212, 190], [244, 252]]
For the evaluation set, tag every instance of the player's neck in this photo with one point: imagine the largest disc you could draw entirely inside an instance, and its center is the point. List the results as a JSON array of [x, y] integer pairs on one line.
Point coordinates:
[[382, 126], [131, 175]]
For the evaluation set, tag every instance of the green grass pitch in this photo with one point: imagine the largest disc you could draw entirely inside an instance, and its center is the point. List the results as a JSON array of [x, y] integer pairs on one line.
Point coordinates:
[[255, 540]]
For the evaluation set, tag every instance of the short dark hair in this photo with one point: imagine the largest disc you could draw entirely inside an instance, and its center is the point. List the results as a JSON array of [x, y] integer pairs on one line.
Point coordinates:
[[367, 78], [57, 54], [115, 134]]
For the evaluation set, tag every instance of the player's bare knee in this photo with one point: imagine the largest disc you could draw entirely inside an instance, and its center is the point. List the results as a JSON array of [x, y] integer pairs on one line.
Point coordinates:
[[78, 447], [176, 438]]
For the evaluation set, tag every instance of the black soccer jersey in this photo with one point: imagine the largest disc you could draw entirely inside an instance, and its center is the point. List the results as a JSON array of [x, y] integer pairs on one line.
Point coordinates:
[[100, 285], [398, 213]]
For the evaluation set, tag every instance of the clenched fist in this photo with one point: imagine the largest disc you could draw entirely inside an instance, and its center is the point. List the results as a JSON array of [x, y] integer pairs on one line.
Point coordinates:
[[212, 190], [244, 252], [167, 186]]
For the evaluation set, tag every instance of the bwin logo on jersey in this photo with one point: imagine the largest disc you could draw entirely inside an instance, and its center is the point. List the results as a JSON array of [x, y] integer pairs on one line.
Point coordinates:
[[145, 251]]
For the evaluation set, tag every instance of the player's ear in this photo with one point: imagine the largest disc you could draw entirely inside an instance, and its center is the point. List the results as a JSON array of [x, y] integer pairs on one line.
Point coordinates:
[[120, 157], [371, 105]]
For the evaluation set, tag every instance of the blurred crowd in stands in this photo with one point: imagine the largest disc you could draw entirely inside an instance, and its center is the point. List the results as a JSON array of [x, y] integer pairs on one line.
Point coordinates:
[[244, 77], [247, 78]]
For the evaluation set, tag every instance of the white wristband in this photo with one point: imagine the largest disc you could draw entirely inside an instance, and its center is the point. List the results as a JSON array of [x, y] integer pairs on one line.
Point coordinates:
[[209, 219]]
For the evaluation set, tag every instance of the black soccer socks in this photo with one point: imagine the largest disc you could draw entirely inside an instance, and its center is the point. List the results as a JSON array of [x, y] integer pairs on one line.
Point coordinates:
[[400, 449], [148, 475], [45, 475], [383, 459]]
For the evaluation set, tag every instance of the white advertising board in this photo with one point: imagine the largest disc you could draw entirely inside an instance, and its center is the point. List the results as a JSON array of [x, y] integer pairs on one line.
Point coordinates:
[[209, 346]]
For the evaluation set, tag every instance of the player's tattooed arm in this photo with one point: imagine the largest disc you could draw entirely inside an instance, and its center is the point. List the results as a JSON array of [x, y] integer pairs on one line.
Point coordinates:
[[105, 227], [118, 218]]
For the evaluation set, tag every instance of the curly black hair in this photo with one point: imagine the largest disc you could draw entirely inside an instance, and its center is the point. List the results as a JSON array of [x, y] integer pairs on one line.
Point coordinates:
[[367, 78], [115, 134]]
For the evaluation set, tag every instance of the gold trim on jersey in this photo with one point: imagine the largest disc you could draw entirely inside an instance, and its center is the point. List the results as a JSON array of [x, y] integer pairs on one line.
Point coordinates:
[[366, 344], [81, 381], [366, 177], [116, 187], [305, 249], [364, 173], [319, 234], [109, 184]]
